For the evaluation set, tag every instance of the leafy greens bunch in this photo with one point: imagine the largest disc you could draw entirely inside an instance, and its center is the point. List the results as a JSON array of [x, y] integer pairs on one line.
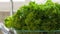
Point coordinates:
[[36, 17]]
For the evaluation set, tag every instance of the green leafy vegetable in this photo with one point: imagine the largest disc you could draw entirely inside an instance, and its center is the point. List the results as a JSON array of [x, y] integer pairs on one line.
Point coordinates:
[[36, 17]]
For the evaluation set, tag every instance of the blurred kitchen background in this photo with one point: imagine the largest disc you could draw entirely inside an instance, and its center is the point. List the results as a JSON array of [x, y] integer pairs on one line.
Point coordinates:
[[5, 7]]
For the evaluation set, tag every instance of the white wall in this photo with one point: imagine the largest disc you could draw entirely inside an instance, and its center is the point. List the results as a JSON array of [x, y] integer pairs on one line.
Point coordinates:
[[5, 8]]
